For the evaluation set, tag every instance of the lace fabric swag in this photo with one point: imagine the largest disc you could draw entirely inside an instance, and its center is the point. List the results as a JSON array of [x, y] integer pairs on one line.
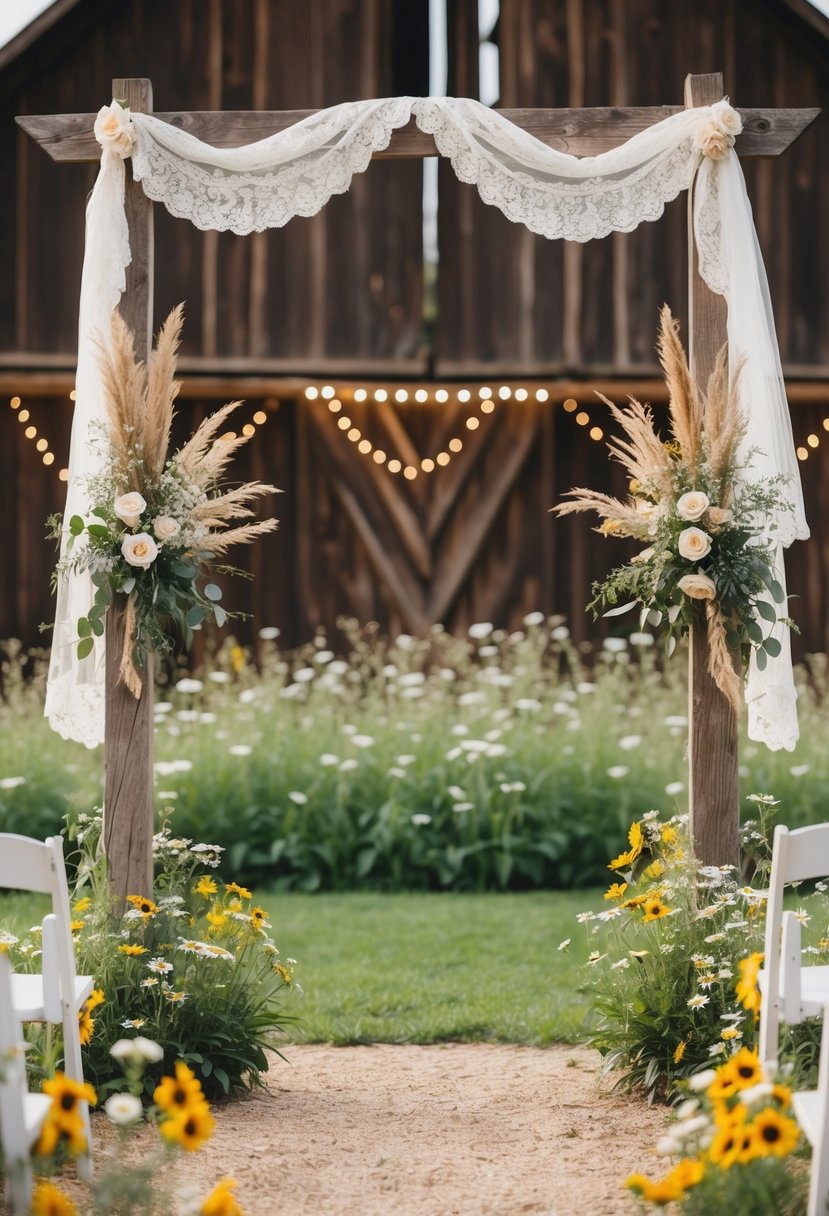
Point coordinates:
[[295, 172]]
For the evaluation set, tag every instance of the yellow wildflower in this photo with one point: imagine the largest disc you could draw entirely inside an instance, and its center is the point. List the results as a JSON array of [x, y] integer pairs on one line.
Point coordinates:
[[242, 892], [654, 909], [773, 1134], [49, 1200], [206, 886], [82, 905], [220, 1202], [190, 1127], [132, 951], [616, 890]]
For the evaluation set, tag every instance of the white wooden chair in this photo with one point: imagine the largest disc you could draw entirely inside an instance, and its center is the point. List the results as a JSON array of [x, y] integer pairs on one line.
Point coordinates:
[[790, 992], [56, 994], [811, 1109], [21, 1113]]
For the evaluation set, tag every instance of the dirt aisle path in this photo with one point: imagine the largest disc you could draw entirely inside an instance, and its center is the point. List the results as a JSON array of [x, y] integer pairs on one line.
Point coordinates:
[[457, 1130]]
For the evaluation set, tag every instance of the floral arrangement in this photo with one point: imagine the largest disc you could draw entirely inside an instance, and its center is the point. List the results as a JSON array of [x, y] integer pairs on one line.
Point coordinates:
[[194, 968], [156, 522], [665, 957], [714, 137], [706, 530], [179, 1110], [733, 1137]]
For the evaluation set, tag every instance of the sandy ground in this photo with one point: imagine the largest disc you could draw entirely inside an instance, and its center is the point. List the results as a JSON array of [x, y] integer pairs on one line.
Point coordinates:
[[457, 1130]]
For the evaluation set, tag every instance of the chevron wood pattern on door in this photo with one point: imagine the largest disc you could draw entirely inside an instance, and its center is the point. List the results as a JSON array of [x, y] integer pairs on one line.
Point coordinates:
[[408, 553]]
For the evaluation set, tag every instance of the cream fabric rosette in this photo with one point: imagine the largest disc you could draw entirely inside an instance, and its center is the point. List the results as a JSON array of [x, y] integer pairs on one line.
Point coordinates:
[[717, 131], [114, 129]]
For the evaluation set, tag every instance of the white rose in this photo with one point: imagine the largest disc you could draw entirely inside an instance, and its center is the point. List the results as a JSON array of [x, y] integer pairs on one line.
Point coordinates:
[[726, 117], [694, 544], [692, 505], [644, 556], [698, 586], [165, 527], [717, 517], [128, 507], [114, 130], [139, 550]]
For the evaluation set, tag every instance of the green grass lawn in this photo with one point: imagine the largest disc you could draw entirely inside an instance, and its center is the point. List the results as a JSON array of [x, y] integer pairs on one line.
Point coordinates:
[[421, 968], [428, 968]]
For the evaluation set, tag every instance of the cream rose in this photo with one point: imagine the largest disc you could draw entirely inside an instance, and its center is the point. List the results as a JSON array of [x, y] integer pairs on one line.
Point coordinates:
[[726, 117], [644, 556], [713, 142], [717, 517], [128, 507], [693, 505], [114, 130], [697, 586], [165, 527], [693, 544], [139, 550]]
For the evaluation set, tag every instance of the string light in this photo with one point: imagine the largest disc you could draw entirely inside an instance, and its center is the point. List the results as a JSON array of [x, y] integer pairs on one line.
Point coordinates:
[[813, 441], [248, 429], [31, 432], [360, 394], [441, 396], [311, 393], [541, 394], [259, 417], [521, 394], [328, 391], [421, 395], [401, 396]]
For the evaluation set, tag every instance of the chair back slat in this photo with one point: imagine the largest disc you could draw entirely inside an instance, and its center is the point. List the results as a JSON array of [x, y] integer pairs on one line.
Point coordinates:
[[25, 864], [806, 853], [13, 1077]]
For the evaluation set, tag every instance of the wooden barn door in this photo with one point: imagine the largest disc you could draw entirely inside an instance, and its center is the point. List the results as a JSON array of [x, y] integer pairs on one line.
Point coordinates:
[[468, 541]]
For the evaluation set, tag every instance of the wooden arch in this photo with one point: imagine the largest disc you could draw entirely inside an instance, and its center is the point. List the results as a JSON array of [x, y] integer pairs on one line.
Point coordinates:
[[713, 750]]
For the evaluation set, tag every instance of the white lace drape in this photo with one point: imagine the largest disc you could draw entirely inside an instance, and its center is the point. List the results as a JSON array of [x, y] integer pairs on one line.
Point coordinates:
[[295, 172]]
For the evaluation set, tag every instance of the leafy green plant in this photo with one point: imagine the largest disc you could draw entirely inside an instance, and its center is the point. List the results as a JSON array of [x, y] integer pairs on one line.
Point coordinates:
[[666, 960], [192, 968]]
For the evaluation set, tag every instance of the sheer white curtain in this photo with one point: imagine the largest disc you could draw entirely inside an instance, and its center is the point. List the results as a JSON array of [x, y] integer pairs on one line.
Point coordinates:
[[295, 172]]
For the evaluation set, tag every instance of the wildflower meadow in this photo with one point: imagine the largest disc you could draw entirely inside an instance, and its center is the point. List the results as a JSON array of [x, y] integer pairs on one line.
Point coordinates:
[[493, 761]]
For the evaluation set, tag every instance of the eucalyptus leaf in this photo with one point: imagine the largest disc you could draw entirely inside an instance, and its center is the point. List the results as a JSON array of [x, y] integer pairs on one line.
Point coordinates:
[[128, 585], [212, 592], [761, 659], [99, 531], [766, 611], [76, 525], [97, 626], [772, 647], [195, 616], [220, 615], [777, 592], [84, 627], [85, 647]]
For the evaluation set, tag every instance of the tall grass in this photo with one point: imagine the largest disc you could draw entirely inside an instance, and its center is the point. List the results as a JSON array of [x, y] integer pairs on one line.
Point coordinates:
[[493, 761]]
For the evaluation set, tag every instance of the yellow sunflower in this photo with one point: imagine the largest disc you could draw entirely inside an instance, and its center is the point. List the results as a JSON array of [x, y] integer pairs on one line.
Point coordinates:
[[131, 951], [746, 1068], [773, 1134], [654, 908], [191, 1127], [748, 993], [220, 1202], [145, 906], [178, 1093], [47, 1200]]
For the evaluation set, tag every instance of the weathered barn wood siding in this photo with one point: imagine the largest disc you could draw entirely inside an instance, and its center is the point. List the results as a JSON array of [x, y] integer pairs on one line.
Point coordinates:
[[347, 283], [474, 541], [513, 302]]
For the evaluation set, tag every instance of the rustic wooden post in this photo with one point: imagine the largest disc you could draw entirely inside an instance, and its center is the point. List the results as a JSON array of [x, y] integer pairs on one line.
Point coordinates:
[[128, 798], [713, 777]]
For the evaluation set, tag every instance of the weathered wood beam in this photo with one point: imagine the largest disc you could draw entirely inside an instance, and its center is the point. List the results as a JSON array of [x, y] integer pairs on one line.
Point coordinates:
[[713, 777], [128, 797], [580, 132]]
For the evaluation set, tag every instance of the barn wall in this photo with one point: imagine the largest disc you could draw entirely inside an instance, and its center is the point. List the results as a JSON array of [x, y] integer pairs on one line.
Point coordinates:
[[512, 302], [344, 284]]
